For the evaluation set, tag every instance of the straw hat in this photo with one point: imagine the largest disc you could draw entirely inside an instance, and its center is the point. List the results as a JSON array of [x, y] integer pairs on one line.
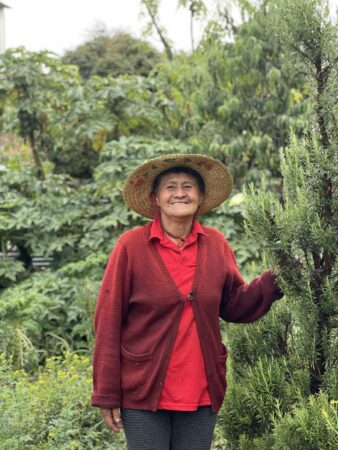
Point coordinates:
[[139, 184]]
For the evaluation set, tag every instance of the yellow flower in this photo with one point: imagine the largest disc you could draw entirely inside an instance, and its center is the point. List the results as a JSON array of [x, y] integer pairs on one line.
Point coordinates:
[[61, 374]]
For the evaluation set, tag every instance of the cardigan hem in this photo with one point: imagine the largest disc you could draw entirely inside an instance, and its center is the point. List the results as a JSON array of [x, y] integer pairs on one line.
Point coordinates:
[[102, 401]]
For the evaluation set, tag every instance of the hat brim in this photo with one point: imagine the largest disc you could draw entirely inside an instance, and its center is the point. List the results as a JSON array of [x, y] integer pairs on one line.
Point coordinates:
[[139, 184]]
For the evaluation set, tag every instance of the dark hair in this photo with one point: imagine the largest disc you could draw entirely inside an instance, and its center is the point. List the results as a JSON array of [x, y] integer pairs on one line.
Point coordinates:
[[180, 169]]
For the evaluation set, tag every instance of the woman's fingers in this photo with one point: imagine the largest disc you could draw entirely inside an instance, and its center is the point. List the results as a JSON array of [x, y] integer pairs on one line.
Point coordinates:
[[106, 413], [112, 418], [117, 417]]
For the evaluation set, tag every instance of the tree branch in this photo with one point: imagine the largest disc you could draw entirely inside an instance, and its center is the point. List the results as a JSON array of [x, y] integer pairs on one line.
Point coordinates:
[[159, 32], [301, 52]]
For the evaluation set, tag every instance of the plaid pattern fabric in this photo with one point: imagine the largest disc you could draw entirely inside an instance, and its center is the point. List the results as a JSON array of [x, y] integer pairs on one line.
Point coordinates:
[[169, 430]]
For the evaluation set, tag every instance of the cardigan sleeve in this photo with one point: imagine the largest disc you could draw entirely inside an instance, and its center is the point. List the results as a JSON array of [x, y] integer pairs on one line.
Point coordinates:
[[110, 312], [241, 302]]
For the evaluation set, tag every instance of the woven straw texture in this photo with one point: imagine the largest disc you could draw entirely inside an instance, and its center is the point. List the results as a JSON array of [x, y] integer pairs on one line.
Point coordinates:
[[216, 177]]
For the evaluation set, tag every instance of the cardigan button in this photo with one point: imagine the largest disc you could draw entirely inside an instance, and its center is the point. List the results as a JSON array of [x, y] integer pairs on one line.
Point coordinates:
[[190, 296]]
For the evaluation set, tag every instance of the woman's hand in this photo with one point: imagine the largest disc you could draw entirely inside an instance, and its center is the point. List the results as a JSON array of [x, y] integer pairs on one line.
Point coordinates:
[[112, 418]]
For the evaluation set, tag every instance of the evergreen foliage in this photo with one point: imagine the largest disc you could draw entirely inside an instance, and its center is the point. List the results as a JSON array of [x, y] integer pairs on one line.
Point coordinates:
[[305, 225], [298, 235]]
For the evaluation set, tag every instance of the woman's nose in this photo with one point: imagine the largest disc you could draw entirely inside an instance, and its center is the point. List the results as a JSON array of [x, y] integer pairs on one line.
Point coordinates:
[[179, 192]]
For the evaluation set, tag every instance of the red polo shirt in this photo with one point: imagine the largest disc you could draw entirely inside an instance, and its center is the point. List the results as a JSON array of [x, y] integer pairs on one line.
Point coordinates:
[[185, 386]]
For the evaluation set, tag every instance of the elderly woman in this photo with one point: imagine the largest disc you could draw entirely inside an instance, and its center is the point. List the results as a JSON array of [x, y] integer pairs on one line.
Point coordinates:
[[159, 362]]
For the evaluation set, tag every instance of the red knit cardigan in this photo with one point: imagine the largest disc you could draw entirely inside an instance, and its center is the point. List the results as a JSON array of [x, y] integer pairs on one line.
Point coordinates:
[[138, 312]]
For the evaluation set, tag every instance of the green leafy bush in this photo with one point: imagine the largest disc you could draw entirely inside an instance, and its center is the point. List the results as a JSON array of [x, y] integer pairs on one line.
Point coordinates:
[[52, 410], [50, 312]]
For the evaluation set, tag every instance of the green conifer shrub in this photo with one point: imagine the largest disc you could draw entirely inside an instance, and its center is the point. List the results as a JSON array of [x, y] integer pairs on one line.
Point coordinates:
[[298, 235]]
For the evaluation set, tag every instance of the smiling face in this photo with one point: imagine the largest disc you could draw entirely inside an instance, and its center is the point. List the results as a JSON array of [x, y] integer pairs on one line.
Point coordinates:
[[178, 196]]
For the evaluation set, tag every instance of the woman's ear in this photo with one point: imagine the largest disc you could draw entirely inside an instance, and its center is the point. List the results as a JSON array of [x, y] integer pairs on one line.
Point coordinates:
[[201, 199], [154, 202]]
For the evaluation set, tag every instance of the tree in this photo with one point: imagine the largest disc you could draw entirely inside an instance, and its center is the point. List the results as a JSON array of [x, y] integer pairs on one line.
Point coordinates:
[[238, 95], [33, 86], [66, 120], [197, 9], [299, 236], [151, 7], [283, 373], [306, 225], [118, 54]]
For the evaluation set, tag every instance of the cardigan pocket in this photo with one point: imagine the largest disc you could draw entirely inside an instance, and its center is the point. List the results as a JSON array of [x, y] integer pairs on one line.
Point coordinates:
[[135, 372], [136, 357], [221, 366]]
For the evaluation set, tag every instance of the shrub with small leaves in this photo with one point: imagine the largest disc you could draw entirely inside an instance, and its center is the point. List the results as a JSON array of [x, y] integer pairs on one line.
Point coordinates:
[[52, 409], [312, 424]]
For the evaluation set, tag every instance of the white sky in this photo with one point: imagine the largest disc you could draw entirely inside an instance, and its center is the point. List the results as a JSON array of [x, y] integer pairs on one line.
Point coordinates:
[[63, 24]]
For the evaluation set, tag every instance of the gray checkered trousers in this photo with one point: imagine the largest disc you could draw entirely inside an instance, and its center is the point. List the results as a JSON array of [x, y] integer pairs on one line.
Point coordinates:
[[169, 430]]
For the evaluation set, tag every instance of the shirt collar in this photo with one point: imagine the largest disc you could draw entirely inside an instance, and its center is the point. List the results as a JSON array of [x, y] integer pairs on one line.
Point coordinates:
[[156, 230]]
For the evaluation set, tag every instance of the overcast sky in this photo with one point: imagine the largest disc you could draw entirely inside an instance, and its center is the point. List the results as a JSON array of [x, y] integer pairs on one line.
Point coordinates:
[[63, 24]]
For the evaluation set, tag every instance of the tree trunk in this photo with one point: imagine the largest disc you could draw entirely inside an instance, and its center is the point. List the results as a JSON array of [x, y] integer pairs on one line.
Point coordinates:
[[36, 156], [192, 11], [321, 78], [323, 263], [160, 33]]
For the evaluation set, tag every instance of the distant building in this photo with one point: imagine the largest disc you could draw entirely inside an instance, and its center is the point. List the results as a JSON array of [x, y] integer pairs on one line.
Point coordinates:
[[2, 27]]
